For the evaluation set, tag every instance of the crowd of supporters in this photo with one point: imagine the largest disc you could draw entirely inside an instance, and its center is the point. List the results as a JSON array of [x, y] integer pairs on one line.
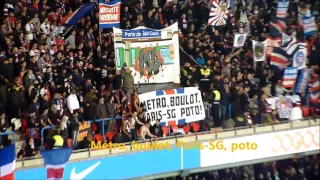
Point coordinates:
[[56, 75]]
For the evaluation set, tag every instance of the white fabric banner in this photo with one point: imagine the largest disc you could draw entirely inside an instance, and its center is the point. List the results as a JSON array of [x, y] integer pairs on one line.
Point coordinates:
[[174, 106], [239, 39], [259, 50], [300, 58]]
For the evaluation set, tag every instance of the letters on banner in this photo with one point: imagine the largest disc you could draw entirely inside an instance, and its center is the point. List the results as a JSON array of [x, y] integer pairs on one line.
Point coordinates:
[[300, 58], [84, 130], [239, 39], [152, 55], [109, 14], [183, 105], [289, 77], [259, 50]]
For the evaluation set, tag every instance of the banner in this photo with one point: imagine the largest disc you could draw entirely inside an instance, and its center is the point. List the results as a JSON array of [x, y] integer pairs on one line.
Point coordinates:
[[219, 12], [73, 18], [152, 55], [7, 162], [259, 50], [239, 40], [109, 14], [282, 104], [303, 80], [174, 106], [300, 58], [84, 130], [260, 146], [289, 77]]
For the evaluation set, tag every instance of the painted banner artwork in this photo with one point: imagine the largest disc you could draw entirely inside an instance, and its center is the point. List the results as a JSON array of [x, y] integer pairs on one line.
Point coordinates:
[[219, 12], [109, 14], [289, 77], [282, 104], [152, 55], [174, 106], [259, 50], [300, 58]]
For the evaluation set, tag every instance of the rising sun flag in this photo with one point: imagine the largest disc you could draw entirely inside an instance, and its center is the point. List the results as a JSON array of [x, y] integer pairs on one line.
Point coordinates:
[[219, 12]]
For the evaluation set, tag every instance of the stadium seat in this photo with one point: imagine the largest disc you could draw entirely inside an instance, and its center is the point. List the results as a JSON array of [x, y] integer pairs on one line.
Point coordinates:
[[69, 143], [195, 127], [109, 136], [165, 130], [174, 128], [98, 137], [186, 129]]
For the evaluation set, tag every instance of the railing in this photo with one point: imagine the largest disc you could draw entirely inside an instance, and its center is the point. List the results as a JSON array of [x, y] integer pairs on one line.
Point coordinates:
[[9, 133], [172, 140], [102, 121]]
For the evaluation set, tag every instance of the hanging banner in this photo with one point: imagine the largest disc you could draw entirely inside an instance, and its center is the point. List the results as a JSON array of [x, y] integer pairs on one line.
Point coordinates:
[[303, 80], [300, 58], [109, 14], [289, 77], [259, 50], [282, 104], [239, 40], [152, 55], [174, 106]]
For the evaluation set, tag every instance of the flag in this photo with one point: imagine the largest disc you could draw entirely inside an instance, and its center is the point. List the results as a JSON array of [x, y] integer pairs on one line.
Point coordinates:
[[239, 39], [309, 25], [315, 89], [73, 18], [302, 12], [289, 77], [277, 26], [303, 80], [300, 58], [279, 58], [244, 23], [285, 39], [55, 161], [259, 50], [109, 14], [219, 12], [7, 162], [282, 9], [291, 46], [272, 43]]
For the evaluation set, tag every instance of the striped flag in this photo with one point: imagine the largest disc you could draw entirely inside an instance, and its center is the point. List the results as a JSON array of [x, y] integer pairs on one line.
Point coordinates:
[[55, 161], [279, 58], [315, 89], [285, 39], [302, 12], [7, 162], [219, 12], [277, 26], [289, 77], [282, 9], [302, 82], [291, 46], [309, 25], [73, 18]]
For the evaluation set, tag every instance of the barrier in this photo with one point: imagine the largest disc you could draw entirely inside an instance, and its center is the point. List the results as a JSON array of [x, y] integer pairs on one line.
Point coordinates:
[[181, 159], [9, 133], [172, 140]]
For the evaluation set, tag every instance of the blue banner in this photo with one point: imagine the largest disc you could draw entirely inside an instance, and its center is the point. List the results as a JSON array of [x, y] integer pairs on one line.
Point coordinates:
[[135, 165], [140, 33], [109, 14], [302, 82]]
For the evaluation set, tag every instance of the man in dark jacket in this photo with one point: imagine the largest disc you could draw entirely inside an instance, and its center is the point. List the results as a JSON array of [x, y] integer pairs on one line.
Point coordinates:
[[75, 127], [156, 129]]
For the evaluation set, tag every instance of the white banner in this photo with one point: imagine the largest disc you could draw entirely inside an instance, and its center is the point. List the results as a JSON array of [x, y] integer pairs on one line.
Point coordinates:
[[259, 50], [300, 58], [283, 104], [260, 146], [239, 39], [174, 106], [152, 55]]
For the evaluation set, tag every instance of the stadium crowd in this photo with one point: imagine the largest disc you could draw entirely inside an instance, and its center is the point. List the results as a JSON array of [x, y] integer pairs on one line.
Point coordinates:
[[56, 75]]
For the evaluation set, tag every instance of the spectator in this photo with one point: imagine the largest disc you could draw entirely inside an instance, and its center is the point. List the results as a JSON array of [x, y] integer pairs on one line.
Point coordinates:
[[145, 133], [72, 101], [75, 123], [30, 148], [156, 129], [128, 83]]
